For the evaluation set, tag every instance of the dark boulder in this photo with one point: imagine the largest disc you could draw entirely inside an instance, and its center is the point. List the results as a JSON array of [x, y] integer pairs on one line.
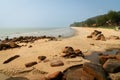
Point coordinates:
[[30, 64], [12, 44], [112, 66], [95, 70], [68, 50], [78, 52], [104, 58], [41, 58], [85, 76], [55, 76]]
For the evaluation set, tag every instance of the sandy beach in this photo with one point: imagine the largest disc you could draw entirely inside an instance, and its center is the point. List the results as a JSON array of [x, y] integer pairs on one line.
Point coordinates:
[[53, 50]]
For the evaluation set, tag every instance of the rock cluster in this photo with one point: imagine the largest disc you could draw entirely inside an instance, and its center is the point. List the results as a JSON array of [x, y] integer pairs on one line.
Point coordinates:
[[97, 35], [111, 64], [69, 52], [13, 43], [8, 45]]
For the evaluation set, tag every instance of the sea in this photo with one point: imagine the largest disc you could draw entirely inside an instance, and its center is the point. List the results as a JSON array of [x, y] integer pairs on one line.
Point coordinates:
[[16, 32]]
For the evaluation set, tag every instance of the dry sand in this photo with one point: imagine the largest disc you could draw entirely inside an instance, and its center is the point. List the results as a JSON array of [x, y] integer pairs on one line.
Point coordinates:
[[52, 50]]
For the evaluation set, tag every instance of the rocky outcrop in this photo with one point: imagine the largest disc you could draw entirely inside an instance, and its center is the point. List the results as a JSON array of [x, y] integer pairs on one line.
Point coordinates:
[[95, 70], [103, 58], [97, 35], [87, 71], [13, 43], [69, 52], [112, 66], [8, 45]]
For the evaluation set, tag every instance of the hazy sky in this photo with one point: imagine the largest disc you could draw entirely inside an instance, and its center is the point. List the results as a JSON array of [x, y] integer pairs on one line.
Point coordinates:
[[51, 13]]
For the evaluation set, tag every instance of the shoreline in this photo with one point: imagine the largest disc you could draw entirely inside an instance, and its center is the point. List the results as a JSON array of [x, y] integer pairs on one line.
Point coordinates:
[[53, 50], [55, 32]]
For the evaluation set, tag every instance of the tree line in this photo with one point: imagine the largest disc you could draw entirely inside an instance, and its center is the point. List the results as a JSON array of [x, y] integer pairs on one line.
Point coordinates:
[[111, 19]]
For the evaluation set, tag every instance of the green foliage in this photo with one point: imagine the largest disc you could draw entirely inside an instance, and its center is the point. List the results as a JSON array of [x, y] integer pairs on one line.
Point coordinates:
[[112, 18]]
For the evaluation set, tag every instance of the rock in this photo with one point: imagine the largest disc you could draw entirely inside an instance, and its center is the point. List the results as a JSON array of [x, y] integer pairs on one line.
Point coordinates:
[[30, 64], [115, 76], [41, 58], [112, 66], [4, 46], [89, 36], [30, 46], [97, 35], [55, 76], [104, 58], [68, 50], [12, 44], [11, 59], [78, 52], [102, 37], [56, 63], [95, 70], [85, 76]]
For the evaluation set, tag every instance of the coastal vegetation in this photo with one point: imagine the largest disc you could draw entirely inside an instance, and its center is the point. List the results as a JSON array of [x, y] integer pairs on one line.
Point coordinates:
[[109, 20]]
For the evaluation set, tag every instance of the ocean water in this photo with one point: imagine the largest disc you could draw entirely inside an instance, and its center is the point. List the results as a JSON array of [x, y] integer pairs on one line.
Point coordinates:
[[64, 32]]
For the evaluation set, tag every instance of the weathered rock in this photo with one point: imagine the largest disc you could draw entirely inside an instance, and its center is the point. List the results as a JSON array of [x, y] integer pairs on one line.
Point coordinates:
[[30, 46], [78, 52], [55, 76], [95, 70], [102, 37], [89, 36], [41, 57], [68, 50], [30, 64], [104, 58], [11, 59], [97, 35], [85, 76], [112, 66], [12, 44], [56, 63]]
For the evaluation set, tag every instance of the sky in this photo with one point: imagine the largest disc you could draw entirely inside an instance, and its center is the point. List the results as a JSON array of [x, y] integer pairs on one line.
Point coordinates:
[[51, 13]]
